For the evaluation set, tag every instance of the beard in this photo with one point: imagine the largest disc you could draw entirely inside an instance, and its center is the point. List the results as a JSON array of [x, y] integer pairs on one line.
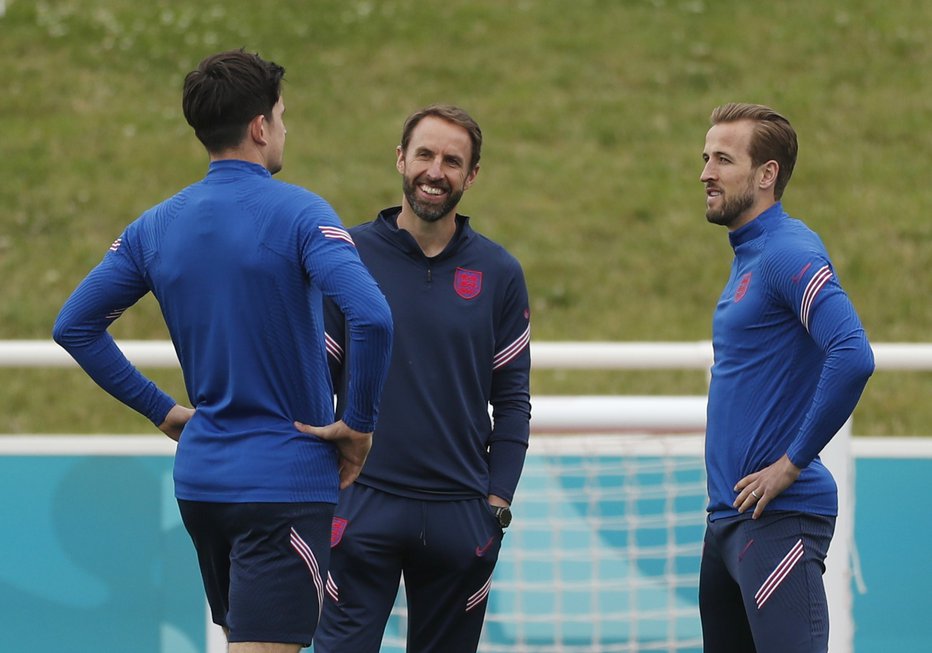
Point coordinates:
[[429, 212], [732, 207]]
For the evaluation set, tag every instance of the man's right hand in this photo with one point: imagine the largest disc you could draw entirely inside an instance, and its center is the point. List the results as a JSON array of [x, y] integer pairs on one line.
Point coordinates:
[[353, 446], [174, 422]]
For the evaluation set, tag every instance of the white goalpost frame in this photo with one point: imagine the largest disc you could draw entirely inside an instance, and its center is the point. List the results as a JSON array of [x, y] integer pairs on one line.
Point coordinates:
[[677, 414]]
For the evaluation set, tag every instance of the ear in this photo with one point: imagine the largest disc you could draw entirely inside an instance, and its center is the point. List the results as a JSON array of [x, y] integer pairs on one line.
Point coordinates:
[[769, 172], [399, 160], [257, 130], [470, 178]]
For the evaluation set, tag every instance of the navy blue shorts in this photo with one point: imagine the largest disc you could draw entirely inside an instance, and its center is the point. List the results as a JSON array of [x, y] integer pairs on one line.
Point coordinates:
[[446, 550], [263, 566], [760, 583]]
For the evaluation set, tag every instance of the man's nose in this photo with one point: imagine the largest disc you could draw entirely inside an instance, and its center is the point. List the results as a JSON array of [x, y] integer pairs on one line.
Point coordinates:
[[435, 170]]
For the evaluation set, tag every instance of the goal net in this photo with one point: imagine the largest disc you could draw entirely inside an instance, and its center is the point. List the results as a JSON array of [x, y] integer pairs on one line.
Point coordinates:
[[603, 554]]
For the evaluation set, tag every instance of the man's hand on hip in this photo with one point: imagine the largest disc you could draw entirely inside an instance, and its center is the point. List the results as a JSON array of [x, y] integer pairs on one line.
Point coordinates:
[[353, 446]]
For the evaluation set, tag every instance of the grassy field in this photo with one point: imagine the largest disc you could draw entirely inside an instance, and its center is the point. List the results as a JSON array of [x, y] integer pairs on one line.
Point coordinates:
[[594, 114]]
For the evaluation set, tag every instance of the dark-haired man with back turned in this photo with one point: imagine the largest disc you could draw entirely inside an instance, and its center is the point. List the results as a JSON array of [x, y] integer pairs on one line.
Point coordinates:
[[239, 264]]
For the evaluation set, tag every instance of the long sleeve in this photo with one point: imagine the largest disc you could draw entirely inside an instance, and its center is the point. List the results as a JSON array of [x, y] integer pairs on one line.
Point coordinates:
[[347, 283], [849, 362], [510, 397], [81, 329]]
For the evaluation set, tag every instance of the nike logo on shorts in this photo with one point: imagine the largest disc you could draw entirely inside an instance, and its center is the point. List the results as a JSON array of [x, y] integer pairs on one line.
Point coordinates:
[[483, 549]]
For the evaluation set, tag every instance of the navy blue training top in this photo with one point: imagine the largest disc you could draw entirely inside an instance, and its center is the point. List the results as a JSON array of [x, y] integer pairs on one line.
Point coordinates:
[[461, 344], [239, 263], [791, 361]]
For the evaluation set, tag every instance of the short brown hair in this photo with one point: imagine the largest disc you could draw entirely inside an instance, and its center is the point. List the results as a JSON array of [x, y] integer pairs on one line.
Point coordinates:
[[773, 138], [224, 94], [449, 113]]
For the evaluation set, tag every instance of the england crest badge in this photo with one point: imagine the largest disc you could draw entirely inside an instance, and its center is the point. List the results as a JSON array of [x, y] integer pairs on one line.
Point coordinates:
[[467, 283]]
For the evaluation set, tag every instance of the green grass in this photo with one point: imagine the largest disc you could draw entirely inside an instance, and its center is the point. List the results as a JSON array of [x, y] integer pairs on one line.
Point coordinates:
[[594, 114]]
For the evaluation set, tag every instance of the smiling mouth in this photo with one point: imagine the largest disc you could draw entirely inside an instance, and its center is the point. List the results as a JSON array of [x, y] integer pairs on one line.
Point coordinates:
[[431, 190], [712, 196]]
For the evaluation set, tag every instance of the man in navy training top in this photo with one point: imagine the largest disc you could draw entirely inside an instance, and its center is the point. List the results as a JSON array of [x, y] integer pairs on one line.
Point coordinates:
[[239, 264], [433, 500], [791, 361]]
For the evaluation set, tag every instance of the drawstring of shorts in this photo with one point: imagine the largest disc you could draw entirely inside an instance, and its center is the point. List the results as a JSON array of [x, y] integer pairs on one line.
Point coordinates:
[[423, 533]]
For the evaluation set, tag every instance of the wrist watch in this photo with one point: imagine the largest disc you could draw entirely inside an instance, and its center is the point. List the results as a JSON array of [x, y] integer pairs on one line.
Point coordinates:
[[502, 514]]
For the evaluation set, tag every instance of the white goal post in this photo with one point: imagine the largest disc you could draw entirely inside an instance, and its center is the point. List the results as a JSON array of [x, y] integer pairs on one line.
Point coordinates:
[[545, 355]]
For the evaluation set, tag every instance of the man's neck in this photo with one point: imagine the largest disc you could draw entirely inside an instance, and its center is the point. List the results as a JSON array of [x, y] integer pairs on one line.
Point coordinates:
[[752, 213], [432, 237], [239, 153]]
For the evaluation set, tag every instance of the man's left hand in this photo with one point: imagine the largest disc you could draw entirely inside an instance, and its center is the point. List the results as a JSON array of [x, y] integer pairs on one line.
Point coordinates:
[[760, 488]]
